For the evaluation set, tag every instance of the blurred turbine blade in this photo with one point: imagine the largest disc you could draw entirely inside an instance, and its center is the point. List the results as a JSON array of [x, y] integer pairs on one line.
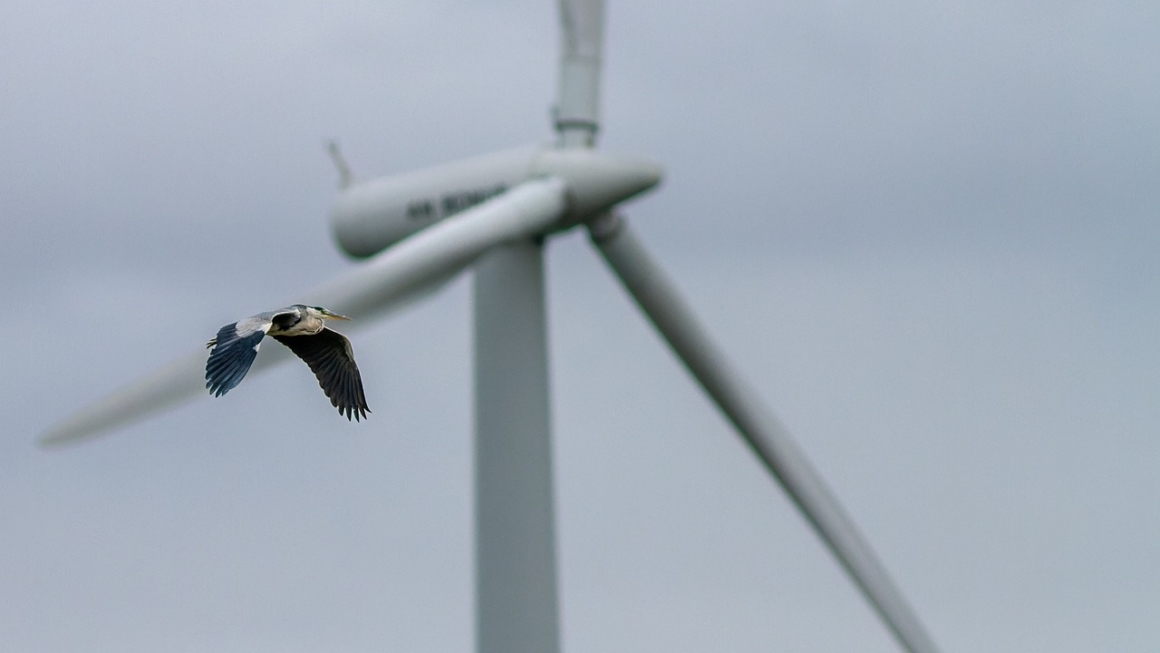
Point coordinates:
[[412, 268], [581, 44], [443, 249], [772, 443]]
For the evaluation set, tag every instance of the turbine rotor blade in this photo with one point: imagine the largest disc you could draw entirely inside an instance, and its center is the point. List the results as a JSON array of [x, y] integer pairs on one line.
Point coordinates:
[[772, 443], [581, 46], [438, 253], [399, 275]]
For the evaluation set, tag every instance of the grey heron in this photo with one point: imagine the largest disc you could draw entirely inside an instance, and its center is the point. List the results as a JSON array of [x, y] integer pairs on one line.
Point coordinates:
[[302, 329]]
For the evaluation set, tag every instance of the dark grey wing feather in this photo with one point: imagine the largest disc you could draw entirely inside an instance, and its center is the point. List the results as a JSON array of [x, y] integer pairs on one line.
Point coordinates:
[[330, 357], [234, 351]]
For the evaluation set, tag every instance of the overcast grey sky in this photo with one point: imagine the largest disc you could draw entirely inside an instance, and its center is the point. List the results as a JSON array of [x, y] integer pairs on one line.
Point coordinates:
[[927, 233]]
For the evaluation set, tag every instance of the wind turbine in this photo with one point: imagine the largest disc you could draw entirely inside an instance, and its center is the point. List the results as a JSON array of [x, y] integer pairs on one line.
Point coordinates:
[[493, 213]]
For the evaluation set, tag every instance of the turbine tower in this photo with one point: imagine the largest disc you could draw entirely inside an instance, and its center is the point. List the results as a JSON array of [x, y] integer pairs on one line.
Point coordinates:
[[493, 213]]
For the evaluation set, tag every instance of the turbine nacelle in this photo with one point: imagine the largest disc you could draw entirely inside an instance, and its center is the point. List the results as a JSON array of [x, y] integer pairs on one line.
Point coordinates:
[[371, 216]]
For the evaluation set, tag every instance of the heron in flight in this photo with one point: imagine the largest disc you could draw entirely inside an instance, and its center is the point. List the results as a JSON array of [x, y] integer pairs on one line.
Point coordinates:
[[303, 330]]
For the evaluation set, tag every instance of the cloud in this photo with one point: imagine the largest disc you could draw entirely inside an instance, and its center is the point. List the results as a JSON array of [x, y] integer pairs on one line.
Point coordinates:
[[925, 234]]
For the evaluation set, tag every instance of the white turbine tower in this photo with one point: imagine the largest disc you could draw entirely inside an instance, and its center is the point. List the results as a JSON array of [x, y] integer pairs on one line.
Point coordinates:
[[494, 212]]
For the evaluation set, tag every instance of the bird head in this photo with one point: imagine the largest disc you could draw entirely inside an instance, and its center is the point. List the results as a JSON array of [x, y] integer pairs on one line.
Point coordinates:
[[328, 315]]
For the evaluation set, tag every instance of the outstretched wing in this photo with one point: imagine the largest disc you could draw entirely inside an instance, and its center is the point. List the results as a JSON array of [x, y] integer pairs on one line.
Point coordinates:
[[234, 351], [330, 357]]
